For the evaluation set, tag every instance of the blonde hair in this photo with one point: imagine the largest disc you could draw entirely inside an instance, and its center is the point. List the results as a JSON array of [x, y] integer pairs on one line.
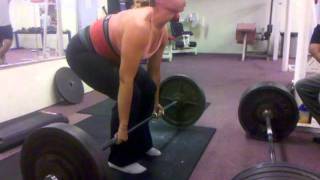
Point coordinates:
[[142, 3]]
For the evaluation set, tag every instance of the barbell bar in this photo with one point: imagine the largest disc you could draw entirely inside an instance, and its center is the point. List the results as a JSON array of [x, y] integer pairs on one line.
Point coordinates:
[[63, 151], [265, 110], [113, 141]]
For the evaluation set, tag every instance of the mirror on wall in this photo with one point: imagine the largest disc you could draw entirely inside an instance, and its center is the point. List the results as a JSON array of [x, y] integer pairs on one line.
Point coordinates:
[[30, 31], [40, 30]]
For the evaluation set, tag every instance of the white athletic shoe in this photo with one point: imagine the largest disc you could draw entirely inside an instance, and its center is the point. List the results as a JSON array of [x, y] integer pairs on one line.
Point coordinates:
[[153, 152], [134, 168]]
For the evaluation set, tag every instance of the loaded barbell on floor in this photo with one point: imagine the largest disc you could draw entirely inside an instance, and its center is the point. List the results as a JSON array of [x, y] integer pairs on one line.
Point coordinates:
[[65, 152], [276, 99], [268, 111]]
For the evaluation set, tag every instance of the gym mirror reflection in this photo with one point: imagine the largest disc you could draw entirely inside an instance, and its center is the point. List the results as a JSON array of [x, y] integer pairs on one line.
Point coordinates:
[[29, 30]]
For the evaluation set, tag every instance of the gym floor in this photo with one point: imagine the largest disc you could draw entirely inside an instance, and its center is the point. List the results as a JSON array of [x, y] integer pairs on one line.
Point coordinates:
[[224, 78], [15, 56]]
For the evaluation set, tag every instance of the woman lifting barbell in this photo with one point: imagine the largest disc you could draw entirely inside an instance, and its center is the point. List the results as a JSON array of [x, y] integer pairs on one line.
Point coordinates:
[[107, 55]]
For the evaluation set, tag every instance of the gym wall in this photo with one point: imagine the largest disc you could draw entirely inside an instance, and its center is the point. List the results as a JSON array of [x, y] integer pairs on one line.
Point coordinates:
[[87, 12], [28, 15], [102, 3], [69, 15], [222, 16], [28, 88]]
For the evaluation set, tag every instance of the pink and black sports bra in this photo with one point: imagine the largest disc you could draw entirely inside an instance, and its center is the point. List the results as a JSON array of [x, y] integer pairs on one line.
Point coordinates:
[[103, 38]]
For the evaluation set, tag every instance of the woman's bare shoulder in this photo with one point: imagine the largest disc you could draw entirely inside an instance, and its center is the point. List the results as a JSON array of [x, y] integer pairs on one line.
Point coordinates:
[[138, 22]]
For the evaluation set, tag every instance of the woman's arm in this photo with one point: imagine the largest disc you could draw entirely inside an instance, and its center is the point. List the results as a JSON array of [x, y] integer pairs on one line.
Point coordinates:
[[314, 50], [314, 47], [133, 43], [154, 66]]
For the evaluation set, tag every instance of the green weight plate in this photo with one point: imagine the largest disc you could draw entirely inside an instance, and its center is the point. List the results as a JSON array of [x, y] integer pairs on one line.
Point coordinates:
[[61, 151], [190, 99], [276, 171], [275, 98]]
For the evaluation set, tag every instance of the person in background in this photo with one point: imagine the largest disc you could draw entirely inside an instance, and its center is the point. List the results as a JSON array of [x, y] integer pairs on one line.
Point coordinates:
[[309, 88], [44, 17], [6, 33]]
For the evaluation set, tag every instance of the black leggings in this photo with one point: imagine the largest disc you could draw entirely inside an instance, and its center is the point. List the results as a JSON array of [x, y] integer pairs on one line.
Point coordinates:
[[103, 76]]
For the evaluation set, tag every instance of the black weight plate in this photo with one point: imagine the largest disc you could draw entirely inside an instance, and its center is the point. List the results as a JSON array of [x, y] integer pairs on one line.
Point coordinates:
[[276, 171], [61, 151], [69, 86], [272, 96], [190, 97]]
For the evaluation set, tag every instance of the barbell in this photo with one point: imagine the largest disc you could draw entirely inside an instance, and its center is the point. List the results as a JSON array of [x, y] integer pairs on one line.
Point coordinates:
[[65, 152], [268, 111]]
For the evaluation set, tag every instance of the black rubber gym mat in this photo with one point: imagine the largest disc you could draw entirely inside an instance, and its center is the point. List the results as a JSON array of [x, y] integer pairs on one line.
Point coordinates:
[[9, 168], [104, 108], [181, 151]]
